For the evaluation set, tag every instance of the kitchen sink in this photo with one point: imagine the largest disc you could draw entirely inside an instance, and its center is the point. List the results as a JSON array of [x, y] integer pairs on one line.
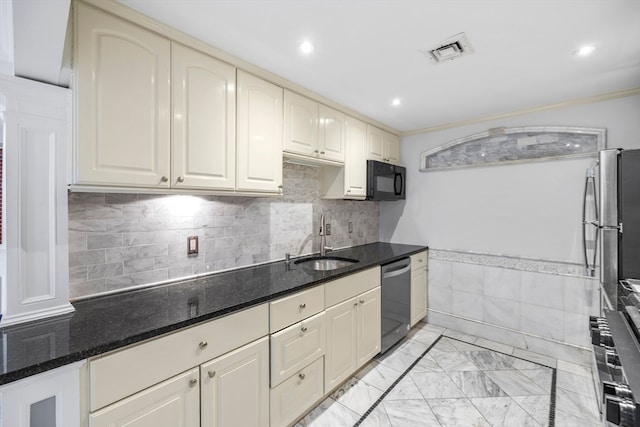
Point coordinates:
[[325, 263]]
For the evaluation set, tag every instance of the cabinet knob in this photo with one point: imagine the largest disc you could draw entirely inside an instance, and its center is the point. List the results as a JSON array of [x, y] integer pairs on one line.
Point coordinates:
[[303, 306], [315, 151], [303, 329], [203, 345], [211, 374], [322, 152], [349, 191], [361, 301], [193, 382], [180, 179], [164, 179], [355, 304], [301, 376]]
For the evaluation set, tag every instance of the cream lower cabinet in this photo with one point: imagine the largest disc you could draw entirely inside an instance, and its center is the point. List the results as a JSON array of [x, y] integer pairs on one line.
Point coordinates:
[[174, 402], [353, 324], [418, 287], [235, 387]]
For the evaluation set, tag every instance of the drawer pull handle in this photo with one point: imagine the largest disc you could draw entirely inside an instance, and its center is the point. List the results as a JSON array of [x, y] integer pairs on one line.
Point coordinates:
[[203, 345], [301, 376], [303, 329], [211, 374], [193, 382], [303, 306]]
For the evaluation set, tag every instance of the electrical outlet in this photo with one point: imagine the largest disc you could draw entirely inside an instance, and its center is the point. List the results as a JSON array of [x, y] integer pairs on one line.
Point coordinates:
[[328, 230], [192, 245], [350, 227]]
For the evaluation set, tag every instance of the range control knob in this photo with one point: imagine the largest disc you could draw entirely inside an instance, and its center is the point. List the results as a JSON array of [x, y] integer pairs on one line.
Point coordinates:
[[616, 389], [612, 359], [620, 411]]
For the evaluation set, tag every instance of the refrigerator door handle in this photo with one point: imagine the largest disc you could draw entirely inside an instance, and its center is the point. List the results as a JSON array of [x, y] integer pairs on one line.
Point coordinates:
[[590, 243]]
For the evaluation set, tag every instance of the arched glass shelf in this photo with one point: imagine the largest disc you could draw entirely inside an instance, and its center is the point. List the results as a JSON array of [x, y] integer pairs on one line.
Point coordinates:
[[499, 146]]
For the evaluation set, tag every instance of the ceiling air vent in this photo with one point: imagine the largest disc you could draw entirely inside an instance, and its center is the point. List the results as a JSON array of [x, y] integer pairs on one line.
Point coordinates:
[[452, 48]]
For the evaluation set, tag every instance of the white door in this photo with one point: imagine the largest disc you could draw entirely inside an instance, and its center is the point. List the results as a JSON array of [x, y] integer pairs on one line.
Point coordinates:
[[331, 134], [175, 402], [120, 142], [369, 325], [355, 164], [418, 295], [341, 351], [375, 144], [259, 144], [235, 387], [203, 151], [300, 124]]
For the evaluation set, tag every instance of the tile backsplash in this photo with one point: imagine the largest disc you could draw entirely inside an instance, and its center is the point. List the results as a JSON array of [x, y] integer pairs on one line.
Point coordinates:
[[118, 241]]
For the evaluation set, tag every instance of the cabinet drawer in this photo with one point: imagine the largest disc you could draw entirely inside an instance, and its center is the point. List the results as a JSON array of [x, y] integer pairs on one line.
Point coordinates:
[[296, 395], [296, 346], [350, 286], [125, 372], [292, 309], [419, 261]]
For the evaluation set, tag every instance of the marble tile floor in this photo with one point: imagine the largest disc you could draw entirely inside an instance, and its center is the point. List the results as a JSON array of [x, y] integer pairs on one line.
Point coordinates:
[[460, 381]]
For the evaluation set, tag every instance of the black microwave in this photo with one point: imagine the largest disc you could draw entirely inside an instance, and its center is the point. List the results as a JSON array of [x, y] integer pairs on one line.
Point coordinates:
[[385, 181]]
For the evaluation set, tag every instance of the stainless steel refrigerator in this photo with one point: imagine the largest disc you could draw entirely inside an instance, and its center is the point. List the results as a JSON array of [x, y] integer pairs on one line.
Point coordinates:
[[611, 220]]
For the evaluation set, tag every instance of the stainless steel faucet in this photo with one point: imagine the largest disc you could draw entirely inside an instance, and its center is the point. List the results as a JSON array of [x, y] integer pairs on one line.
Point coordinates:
[[323, 243]]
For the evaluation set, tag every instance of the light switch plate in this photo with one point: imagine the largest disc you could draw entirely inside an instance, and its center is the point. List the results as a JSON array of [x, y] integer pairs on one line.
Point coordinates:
[[192, 245], [350, 227], [328, 231]]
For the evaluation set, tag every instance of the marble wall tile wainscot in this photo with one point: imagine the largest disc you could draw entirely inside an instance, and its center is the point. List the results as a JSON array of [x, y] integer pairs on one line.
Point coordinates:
[[526, 303], [118, 241]]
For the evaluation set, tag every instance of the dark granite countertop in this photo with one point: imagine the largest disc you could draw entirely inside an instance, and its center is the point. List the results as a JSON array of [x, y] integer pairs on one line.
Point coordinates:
[[110, 322]]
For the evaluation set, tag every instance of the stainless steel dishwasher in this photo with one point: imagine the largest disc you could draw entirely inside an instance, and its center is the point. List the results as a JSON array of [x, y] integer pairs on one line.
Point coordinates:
[[396, 302]]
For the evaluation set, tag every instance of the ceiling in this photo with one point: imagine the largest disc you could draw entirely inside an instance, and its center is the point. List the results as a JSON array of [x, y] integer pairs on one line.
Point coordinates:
[[368, 52]]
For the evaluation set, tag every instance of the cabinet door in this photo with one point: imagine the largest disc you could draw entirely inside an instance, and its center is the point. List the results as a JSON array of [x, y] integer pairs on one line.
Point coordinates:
[[418, 295], [341, 353], [375, 144], [300, 124], [259, 135], [391, 148], [174, 402], [203, 151], [122, 92], [355, 165], [369, 326], [235, 387], [331, 136]]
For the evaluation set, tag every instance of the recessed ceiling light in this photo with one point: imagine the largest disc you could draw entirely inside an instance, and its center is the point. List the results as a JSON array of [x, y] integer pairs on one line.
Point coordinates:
[[396, 102], [306, 47], [585, 50]]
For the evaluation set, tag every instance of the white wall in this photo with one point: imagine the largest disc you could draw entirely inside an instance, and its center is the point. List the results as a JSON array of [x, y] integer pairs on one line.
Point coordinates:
[[528, 209]]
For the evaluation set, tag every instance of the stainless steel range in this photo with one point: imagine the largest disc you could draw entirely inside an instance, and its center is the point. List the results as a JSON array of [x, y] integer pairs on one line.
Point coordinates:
[[615, 335]]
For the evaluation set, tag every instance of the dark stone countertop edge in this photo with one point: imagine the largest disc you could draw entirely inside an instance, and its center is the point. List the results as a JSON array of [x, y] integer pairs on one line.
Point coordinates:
[[57, 362]]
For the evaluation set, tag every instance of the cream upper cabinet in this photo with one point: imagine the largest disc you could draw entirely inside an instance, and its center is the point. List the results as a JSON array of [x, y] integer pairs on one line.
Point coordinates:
[[312, 130], [331, 134], [355, 166], [392, 147], [174, 402], [203, 151], [300, 124], [235, 387], [382, 146], [418, 287], [259, 143], [119, 141]]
